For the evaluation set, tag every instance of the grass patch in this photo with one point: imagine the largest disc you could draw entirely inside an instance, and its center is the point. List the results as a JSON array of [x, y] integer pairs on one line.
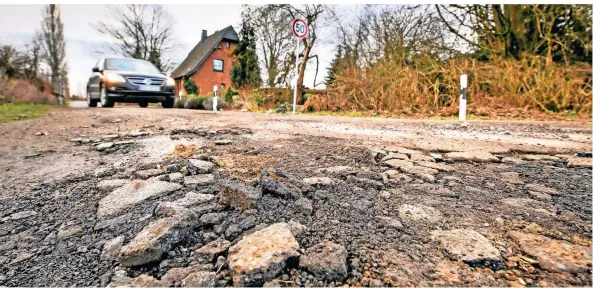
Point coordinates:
[[20, 111]]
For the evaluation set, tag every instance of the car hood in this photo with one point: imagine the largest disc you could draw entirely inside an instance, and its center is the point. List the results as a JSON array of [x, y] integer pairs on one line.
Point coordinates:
[[130, 73]]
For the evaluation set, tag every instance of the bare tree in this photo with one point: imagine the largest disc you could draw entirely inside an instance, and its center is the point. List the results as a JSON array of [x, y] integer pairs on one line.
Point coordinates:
[[53, 44], [275, 40], [312, 14], [352, 35], [393, 33], [22, 63], [32, 57], [142, 32]]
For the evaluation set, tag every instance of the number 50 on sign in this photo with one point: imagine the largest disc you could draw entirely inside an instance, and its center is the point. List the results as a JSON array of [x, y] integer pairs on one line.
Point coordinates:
[[300, 29]]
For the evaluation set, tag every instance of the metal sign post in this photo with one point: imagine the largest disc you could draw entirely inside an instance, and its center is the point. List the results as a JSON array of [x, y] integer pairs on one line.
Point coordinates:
[[300, 29], [296, 78], [214, 99], [463, 97]]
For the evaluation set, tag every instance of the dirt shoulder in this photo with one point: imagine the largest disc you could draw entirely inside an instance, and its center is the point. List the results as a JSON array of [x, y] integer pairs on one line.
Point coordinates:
[[63, 124]]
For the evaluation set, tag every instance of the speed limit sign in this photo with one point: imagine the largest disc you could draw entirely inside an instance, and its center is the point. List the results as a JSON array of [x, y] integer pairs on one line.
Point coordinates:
[[300, 29]]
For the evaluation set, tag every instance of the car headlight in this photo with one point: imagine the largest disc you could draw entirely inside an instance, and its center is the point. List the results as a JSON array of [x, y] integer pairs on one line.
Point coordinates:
[[170, 82], [114, 78]]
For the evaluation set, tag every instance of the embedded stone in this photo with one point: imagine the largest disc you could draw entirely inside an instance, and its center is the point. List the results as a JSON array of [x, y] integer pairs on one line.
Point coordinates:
[[209, 252], [145, 174], [418, 170], [396, 163], [195, 166], [437, 166], [418, 213], [475, 156], [417, 157], [539, 157], [542, 189], [131, 194], [155, 240], [199, 180], [278, 182], [262, 255], [395, 156], [111, 248], [579, 162], [304, 206], [108, 185], [554, 255], [200, 279], [468, 246], [238, 195], [318, 181], [337, 170], [326, 260], [512, 160]]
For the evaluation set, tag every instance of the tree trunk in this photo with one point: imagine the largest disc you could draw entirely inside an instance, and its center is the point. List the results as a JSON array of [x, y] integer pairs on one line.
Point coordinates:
[[272, 72], [500, 28], [302, 68]]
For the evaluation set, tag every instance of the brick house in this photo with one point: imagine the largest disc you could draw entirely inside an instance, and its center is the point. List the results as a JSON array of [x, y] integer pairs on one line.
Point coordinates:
[[209, 63]]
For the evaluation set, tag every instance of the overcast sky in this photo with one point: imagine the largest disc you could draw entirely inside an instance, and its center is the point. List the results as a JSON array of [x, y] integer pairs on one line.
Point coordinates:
[[19, 22]]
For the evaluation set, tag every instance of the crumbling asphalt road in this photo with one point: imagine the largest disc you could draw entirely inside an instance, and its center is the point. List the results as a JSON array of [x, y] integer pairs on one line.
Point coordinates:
[[155, 197]]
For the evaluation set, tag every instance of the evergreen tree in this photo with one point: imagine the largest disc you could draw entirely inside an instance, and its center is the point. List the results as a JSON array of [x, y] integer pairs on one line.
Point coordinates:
[[334, 68], [189, 85], [245, 72]]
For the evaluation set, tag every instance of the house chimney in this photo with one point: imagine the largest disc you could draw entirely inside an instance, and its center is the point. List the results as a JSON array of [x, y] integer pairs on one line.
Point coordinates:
[[204, 35]]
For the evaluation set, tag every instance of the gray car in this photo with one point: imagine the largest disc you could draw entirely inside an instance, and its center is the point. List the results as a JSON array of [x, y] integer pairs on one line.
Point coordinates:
[[129, 80]]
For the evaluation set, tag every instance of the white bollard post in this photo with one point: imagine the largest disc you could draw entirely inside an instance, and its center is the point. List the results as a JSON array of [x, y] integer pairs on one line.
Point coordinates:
[[214, 99], [463, 97]]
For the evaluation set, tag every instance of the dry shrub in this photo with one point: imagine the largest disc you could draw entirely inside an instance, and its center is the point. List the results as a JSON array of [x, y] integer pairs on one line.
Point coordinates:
[[431, 86], [317, 103], [180, 103], [247, 100], [262, 99], [23, 91], [184, 151], [277, 95]]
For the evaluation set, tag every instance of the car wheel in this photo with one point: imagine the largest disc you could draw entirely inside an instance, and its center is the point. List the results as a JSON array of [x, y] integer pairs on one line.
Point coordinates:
[[90, 102], [143, 104], [105, 101], [169, 103]]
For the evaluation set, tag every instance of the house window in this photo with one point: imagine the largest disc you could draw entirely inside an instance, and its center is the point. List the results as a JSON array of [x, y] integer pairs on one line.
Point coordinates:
[[228, 45], [222, 86], [218, 64]]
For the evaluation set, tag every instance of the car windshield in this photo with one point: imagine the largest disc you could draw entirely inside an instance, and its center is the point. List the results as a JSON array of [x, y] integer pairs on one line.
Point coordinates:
[[131, 65]]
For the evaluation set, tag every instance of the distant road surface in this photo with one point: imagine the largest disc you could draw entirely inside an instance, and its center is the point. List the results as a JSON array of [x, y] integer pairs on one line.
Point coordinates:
[[77, 104]]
